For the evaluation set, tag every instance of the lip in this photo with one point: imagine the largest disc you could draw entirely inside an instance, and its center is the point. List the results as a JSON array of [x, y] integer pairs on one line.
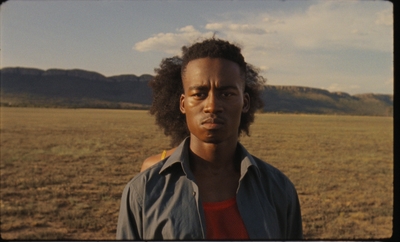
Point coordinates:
[[212, 123]]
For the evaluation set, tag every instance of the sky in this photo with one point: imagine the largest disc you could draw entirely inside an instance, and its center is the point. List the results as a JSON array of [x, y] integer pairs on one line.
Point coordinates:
[[337, 45]]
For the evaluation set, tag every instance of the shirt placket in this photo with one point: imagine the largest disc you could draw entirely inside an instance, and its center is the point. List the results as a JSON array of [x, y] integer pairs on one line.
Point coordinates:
[[199, 207]]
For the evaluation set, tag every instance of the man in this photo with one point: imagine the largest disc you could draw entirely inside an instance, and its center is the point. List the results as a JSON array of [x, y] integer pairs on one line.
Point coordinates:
[[211, 187]]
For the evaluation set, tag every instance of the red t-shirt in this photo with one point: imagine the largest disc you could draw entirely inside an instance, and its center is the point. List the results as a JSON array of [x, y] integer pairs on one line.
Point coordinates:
[[223, 220]]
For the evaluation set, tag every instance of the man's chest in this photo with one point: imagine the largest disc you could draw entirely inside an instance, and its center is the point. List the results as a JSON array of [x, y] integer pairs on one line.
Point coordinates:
[[172, 213]]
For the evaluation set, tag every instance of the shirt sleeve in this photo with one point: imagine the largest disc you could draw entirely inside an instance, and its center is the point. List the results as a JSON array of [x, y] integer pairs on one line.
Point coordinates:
[[129, 220], [294, 221]]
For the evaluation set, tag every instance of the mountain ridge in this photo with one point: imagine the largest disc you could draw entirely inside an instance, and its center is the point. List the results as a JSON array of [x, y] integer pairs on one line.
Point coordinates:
[[77, 88]]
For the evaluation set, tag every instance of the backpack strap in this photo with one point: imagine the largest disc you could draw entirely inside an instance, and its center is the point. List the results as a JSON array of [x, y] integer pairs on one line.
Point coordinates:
[[164, 153]]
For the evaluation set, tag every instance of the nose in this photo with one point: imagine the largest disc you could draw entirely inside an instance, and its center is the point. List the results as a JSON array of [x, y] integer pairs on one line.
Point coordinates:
[[212, 104]]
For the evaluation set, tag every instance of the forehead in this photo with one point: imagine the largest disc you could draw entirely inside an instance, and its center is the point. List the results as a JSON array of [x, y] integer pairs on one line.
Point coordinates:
[[219, 70]]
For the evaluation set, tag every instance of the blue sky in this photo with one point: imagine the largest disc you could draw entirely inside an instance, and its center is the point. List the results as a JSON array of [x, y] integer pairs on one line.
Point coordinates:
[[335, 45]]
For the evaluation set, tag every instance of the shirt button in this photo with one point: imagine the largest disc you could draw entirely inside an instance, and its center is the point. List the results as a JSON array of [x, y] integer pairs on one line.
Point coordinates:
[[194, 194]]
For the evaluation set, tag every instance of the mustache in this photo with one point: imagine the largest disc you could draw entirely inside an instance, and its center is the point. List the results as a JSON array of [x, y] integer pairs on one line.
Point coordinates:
[[213, 120]]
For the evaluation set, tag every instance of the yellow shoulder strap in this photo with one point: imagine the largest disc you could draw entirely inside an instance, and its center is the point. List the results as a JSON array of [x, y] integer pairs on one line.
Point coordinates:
[[164, 153]]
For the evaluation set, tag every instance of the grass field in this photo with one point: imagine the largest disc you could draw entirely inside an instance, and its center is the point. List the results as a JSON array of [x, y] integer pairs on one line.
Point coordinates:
[[63, 170]]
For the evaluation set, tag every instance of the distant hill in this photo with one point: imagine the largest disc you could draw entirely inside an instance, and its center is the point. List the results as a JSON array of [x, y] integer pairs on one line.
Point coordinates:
[[85, 89], [294, 99], [73, 88]]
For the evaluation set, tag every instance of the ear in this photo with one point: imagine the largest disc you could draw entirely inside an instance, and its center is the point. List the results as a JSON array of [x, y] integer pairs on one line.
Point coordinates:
[[182, 103], [246, 102]]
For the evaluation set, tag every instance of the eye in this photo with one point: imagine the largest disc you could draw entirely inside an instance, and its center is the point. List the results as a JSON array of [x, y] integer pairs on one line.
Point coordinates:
[[199, 95], [227, 94]]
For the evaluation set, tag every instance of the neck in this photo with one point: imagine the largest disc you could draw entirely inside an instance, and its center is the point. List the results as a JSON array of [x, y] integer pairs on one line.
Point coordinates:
[[205, 156]]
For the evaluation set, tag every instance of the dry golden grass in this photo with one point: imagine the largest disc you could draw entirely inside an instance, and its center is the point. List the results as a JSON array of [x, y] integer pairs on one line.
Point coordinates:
[[63, 170]]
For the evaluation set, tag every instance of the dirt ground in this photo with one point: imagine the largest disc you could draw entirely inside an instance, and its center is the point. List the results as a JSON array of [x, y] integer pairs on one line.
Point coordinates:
[[63, 170]]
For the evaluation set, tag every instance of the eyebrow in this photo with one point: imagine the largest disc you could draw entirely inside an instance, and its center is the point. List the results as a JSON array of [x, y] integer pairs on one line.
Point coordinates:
[[203, 87], [198, 87]]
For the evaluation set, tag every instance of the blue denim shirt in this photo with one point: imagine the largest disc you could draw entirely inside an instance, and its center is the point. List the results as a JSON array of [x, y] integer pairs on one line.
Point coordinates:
[[162, 202]]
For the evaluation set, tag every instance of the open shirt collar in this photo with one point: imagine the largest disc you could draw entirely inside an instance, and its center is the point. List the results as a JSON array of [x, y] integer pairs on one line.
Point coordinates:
[[181, 155]]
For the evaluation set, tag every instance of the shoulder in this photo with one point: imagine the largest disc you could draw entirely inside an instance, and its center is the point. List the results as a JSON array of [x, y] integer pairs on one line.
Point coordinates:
[[135, 189], [152, 182], [152, 177], [273, 176], [150, 161], [265, 167], [149, 173]]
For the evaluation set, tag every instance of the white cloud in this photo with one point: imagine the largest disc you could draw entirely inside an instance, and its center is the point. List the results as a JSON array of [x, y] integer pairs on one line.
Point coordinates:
[[337, 24], [215, 26], [264, 68], [358, 32], [271, 20], [236, 28], [188, 29], [325, 24], [390, 82], [384, 17], [336, 87], [298, 47], [170, 42]]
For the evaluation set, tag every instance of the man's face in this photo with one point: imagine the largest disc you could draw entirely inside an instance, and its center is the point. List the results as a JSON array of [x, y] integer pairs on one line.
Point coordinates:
[[213, 99]]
